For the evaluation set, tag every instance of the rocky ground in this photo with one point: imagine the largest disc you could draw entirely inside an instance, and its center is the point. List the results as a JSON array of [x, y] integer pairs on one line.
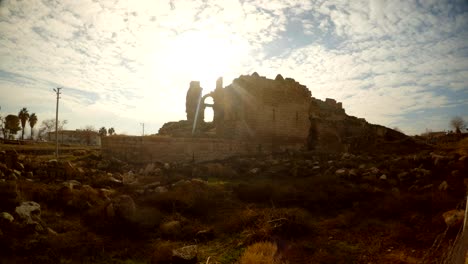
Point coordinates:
[[310, 208]]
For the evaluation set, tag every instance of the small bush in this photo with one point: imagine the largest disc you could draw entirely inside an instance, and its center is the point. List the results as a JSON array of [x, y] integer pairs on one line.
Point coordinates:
[[260, 253], [198, 200], [264, 224]]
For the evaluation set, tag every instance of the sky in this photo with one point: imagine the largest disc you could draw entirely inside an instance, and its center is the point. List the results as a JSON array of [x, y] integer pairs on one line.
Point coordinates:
[[122, 63]]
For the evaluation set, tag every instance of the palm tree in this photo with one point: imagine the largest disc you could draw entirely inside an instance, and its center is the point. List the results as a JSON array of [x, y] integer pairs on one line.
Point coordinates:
[[103, 132], [23, 116], [111, 131], [32, 122]]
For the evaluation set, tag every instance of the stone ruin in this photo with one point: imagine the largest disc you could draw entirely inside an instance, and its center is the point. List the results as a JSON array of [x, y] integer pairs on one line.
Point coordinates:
[[255, 115], [280, 111]]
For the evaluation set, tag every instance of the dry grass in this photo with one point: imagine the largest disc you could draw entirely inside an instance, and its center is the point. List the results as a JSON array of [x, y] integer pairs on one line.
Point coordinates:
[[462, 147], [260, 253]]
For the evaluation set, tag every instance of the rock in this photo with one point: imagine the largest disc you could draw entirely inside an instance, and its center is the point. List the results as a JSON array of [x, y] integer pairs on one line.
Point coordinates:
[[421, 173], [149, 168], [383, 177], [198, 182], [72, 184], [124, 207], [19, 166], [341, 172], [396, 192], [161, 189], [50, 231], [187, 254], [152, 185], [426, 187], [453, 218], [12, 177], [113, 180], [353, 172], [404, 176], [205, 235], [69, 169], [316, 167], [374, 170], [443, 186], [17, 173], [4, 216], [29, 175], [27, 211], [254, 170], [106, 193], [170, 228]]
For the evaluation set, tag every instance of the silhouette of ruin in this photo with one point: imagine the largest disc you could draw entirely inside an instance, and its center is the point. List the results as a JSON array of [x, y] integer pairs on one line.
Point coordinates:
[[254, 115]]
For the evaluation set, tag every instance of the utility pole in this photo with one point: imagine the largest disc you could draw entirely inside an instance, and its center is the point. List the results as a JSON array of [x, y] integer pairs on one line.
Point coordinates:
[[57, 91], [143, 125]]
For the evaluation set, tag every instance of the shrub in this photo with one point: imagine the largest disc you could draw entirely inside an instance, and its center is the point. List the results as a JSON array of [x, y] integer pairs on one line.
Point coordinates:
[[192, 198], [260, 253], [264, 224]]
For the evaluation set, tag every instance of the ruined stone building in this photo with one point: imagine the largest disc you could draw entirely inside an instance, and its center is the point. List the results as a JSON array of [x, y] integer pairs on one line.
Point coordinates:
[[252, 115], [255, 108]]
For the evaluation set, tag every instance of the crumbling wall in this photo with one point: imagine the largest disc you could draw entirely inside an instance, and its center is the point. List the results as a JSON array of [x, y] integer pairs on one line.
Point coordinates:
[[141, 150], [332, 130], [261, 109]]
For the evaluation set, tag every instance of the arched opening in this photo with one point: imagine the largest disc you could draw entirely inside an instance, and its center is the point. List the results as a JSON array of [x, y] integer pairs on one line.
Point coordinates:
[[208, 102], [209, 114]]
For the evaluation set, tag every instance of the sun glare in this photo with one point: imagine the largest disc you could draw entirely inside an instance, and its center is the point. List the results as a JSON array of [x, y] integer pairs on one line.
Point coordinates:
[[202, 56]]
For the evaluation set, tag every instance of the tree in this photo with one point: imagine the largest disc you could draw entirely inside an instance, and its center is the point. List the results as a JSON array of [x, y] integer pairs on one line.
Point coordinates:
[[23, 115], [32, 122], [48, 126], [111, 131], [458, 124], [103, 132], [12, 125]]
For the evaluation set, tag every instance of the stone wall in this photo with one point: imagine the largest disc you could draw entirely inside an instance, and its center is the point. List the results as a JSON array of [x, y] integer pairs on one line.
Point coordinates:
[[147, 149], [266, 110]]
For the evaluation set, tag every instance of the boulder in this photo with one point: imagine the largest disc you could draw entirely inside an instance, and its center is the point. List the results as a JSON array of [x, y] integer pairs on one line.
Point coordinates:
[[183, 255], [254, 170], [70, 170], [149, 169], [205, 235], [19, 166], [29, 212], [6, 217], [374, 170], [124, 207], [453, 218], [443, 186], [170, 228], [341, 172]]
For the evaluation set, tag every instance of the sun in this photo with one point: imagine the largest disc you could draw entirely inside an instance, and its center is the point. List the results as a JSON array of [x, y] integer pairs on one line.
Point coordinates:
[[204, 56]]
